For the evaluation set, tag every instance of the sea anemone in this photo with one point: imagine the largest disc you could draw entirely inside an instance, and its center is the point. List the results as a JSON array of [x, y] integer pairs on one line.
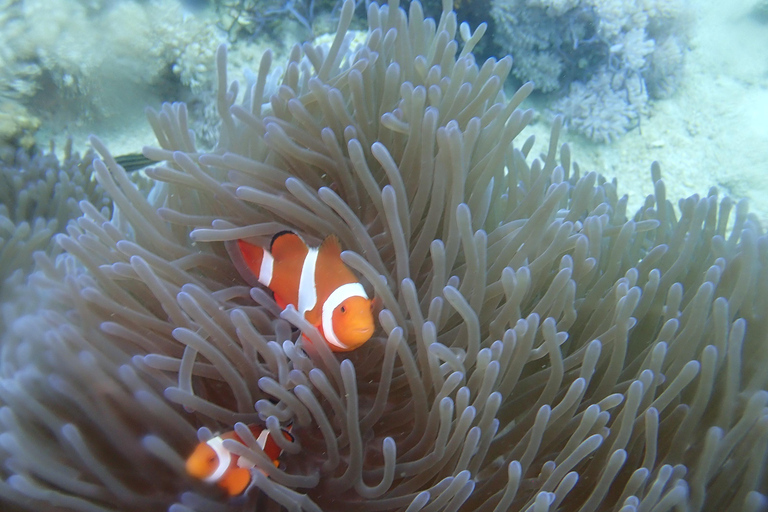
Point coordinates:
[[38, 197], [536, 348]]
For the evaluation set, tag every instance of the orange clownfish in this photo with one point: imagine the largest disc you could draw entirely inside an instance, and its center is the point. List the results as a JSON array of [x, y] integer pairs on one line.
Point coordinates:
[[315, 281], [213, 463]]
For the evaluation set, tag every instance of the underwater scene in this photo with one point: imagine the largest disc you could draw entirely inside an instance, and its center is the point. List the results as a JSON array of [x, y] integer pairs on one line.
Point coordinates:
[[340, 255]]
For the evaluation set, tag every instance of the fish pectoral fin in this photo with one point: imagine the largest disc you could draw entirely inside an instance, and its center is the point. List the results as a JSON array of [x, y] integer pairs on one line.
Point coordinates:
[[235, 481], [314, 317]]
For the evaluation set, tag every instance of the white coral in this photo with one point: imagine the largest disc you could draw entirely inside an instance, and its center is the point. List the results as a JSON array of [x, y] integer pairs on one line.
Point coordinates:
[[604, 108], [188, 44], [634, 47], [665, 70], [618, 15], [553, 7], [663, 8]]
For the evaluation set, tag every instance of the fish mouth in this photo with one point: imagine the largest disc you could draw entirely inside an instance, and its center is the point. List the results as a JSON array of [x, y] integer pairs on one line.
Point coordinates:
[[360, 334]]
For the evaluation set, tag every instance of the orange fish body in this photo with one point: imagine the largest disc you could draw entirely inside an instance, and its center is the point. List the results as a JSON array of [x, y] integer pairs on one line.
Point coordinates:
[[213, 463], [315, 281]]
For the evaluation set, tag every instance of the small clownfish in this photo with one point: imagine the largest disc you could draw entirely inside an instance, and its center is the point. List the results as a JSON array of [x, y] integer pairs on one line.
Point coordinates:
[[213, 463], [315, 281]]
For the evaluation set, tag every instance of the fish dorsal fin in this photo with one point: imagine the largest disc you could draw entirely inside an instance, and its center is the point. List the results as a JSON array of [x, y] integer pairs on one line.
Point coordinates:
[[286, 244], [255, 429], [331, 246], [335, 272], [278, 235]]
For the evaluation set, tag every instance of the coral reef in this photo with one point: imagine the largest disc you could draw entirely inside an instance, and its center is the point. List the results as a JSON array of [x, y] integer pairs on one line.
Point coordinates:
[[17, 127], [85, 61], [590, 49], [304, 18], [663, 74], [247, 17], [550, 50], [537, 348], [68, 64], [604, 108]]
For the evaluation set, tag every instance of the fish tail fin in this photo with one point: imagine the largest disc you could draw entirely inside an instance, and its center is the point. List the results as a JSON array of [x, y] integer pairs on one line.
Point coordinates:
[[253, 263]]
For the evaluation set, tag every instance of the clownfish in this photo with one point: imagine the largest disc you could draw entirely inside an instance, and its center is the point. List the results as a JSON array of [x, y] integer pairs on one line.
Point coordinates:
[[315, 281], [213, 463]]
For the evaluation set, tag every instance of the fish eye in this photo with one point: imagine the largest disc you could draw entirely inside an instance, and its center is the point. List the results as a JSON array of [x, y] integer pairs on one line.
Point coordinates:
[[343, 309]]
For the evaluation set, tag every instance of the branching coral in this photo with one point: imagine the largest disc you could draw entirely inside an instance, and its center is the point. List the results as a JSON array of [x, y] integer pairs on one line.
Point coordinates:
[[537, 349]]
